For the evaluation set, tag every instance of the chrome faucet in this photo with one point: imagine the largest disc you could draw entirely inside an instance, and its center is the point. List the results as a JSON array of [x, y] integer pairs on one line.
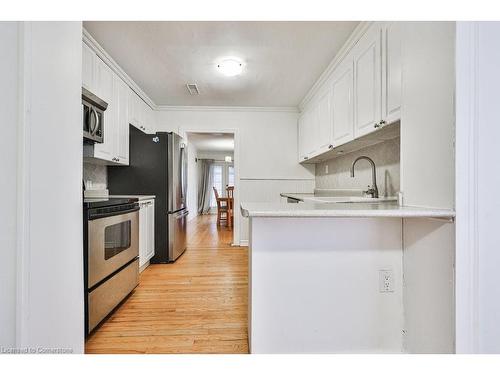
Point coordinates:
[[373, 190]]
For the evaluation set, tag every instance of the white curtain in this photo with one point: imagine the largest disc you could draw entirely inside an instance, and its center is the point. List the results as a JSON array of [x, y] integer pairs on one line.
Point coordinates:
[[205, 186]]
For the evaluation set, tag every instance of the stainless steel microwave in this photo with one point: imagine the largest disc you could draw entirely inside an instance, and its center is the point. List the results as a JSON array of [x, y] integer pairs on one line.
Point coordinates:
[[93, 117]]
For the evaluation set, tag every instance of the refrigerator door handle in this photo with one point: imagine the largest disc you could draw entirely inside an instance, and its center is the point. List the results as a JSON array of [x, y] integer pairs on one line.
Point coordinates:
[[182, 214], [183, 173]]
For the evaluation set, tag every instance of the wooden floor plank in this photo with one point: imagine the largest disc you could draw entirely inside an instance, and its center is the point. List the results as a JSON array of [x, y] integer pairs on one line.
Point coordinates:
[[196, 305]]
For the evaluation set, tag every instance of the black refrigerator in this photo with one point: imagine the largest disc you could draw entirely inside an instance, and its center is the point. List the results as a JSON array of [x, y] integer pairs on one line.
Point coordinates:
[[157, 166]]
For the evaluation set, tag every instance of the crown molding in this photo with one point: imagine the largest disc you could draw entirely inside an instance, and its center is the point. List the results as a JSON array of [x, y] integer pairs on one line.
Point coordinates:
[[103, 55], [346, 48], [227, 108]]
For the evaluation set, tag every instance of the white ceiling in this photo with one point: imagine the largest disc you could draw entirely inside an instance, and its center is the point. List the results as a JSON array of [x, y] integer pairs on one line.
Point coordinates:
[[212, 141], [282, 59]]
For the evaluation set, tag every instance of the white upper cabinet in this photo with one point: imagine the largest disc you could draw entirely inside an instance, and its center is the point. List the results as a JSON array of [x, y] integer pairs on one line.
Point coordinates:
[[342, 103], [140, 114], [324, 127], [122, 150], [315, 129], [104, 89], [363, 94], [104, 81], [367, 58], [98, 78], [391, 72], [88, 68], [303, 135]]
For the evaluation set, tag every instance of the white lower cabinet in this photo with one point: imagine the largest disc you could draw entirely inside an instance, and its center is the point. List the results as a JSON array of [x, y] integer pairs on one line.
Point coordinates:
[[146, 231]]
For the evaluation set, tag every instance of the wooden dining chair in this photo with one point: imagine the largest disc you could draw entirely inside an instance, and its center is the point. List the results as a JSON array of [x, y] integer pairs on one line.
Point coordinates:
[[230, 203], [222, 208]]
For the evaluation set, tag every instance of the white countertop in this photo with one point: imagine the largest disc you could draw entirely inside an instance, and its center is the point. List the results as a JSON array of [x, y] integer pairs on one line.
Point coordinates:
[[139, 197], [308, 209]]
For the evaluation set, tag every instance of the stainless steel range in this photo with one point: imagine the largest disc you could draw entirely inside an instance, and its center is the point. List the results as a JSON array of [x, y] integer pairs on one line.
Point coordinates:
[[111, 255]]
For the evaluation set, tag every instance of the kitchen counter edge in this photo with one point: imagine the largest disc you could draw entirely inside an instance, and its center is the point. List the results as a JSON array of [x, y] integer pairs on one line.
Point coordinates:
[[342, 210]]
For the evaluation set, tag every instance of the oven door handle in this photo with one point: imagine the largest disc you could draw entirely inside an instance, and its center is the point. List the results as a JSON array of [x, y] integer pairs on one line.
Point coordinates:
[[100, 215]]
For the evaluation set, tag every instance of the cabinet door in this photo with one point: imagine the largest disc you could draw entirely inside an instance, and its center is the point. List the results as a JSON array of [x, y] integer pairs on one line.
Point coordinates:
[[302, 123], [122, 139], [367, 82], [106, 90], [324, 127], [104, 81], [146, 117], [312, 132], [150, 251], [306, 134], [391, 72], [143, 233], [88, 68], [132, 108], [342, 104]]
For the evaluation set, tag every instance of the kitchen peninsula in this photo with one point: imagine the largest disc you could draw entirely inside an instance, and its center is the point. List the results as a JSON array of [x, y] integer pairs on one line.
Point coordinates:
[[327, 278]]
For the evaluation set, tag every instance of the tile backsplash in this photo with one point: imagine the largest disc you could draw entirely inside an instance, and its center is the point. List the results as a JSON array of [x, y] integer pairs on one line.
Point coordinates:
[[386, 156], [97, 174]]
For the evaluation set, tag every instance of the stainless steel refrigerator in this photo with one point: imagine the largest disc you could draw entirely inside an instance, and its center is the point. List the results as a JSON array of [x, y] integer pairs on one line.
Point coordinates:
[[157, 166]]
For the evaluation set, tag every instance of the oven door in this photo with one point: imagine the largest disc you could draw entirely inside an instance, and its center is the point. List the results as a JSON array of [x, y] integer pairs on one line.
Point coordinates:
[[113, 242]]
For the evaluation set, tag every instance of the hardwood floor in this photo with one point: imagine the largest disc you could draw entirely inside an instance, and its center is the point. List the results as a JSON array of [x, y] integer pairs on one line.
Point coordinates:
[[196, 305]]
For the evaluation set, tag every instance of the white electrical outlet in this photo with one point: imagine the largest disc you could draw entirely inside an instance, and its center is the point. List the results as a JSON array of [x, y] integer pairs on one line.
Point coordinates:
[[326, 168], [386, 281]]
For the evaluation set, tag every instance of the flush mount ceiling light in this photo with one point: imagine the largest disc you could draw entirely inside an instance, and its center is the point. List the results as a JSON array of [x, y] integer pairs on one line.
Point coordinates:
[[230, 67]]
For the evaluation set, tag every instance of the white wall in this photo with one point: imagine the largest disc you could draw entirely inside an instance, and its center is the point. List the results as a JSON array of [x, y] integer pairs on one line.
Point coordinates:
[[51, 255], [267, 150], [478, 204], [428, 260], [315, 285], [8, 188], [192, 181], [427, 179], [488, 177]]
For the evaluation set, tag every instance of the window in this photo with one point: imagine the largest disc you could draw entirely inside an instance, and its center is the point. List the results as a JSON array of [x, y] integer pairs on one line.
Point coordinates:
[[222, 176], [217, 183], [230, 176], [116, 239]]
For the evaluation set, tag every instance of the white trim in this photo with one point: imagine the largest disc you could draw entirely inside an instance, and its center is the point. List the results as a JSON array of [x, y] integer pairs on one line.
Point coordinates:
[[236, 162], [467, 232], [226, 108], [276, 179], [346, 48], [243, 242], [104, 56], [23, 184]]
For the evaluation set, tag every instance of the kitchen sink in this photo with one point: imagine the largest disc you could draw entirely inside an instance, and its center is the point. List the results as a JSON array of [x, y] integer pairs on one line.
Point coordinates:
[[348, 199]]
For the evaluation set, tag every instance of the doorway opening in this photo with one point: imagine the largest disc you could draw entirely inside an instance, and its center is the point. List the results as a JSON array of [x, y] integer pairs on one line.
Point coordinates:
[[212, 188]]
